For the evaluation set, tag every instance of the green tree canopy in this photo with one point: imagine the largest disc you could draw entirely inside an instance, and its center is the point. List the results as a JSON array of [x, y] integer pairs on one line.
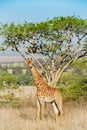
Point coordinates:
[[58, 42]]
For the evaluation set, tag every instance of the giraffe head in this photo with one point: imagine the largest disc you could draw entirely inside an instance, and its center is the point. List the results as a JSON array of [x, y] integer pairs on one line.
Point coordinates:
[[29, 62]]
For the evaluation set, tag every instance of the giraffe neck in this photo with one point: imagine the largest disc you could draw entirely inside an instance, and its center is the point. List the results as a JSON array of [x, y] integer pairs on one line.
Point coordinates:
[[39, 80]]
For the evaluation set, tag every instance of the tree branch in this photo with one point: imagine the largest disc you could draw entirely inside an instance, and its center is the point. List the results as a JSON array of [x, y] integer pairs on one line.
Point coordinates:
[[36, 59], [84, 54], [61, 70], [20, 53]]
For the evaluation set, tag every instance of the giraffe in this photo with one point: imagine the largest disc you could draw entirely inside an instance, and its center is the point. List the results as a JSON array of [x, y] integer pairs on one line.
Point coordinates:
[[45, 93]]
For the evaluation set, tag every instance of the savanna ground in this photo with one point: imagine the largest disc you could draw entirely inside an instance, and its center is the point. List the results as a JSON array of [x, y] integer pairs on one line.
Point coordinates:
[[23, 117]]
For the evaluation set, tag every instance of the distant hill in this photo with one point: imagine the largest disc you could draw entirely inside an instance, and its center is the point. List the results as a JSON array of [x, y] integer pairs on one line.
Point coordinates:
[[4, 59]]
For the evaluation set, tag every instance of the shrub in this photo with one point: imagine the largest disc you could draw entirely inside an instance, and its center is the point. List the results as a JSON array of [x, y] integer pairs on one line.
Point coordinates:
[[7, 80]]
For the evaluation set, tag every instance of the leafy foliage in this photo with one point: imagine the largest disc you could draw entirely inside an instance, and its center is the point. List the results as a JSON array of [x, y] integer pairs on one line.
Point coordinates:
[[73, 84], [7, 80], [13, 81], [24, 79], [39, 35], [62, 40], [80, 64], [75, 90]]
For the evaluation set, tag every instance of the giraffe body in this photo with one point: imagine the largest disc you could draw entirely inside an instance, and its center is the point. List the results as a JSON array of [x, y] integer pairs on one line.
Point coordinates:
[[45, 93]]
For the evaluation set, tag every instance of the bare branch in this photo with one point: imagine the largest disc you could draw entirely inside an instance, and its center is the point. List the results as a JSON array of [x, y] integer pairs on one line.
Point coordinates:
[[44, 59], [61, 70], [20, 53], [84, 54], [36, 59]]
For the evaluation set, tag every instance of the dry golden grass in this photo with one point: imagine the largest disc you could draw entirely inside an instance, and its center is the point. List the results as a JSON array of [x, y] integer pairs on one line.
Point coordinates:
[[74, 118], [24, 118]]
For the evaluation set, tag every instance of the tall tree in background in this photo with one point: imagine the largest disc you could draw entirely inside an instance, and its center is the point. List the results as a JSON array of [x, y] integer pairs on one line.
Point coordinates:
[[57, 42]]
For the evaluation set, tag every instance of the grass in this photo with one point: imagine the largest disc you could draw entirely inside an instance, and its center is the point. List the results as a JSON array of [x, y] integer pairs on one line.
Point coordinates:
[[74, 118], [22, 116]]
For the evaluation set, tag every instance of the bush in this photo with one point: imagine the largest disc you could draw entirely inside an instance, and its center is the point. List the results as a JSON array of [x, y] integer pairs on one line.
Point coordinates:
[[24, 79], [73, 86], [13, 81], [7, 80]]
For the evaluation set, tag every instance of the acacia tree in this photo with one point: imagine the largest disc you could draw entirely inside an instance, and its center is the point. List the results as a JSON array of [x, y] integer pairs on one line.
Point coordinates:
[[57, 43]]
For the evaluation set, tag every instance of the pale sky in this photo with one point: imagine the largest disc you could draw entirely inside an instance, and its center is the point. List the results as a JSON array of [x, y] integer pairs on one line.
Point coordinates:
[[40, 10]]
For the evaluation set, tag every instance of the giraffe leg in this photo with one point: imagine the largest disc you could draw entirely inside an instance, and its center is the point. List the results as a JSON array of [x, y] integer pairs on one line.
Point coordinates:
[[42, 108], [38, 109], [55, 110], [59, 105]]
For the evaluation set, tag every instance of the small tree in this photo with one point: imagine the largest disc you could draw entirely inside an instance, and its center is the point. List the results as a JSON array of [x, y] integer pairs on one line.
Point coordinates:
[[57, 42]]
